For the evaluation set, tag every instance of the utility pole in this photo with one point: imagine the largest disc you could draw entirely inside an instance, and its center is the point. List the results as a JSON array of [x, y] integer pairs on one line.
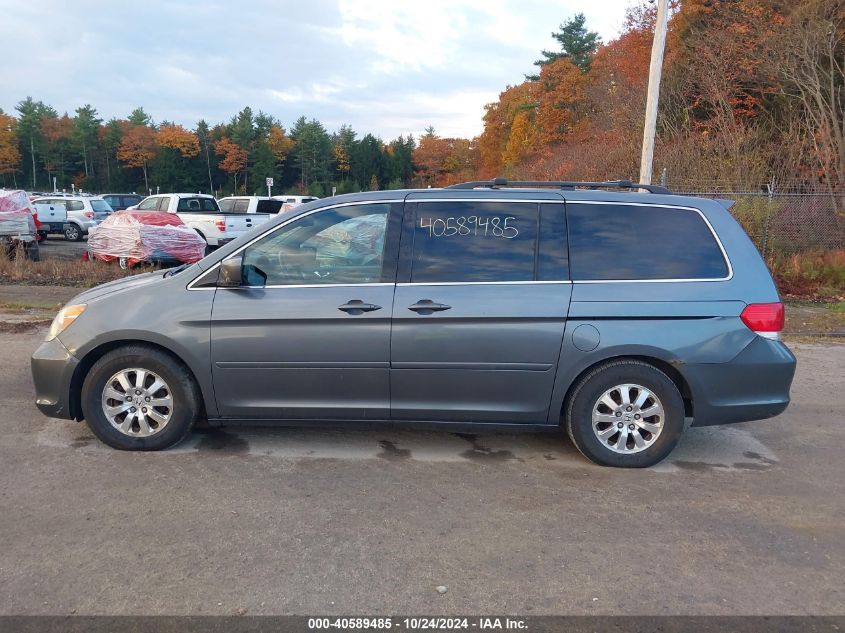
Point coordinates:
[[654, 71]]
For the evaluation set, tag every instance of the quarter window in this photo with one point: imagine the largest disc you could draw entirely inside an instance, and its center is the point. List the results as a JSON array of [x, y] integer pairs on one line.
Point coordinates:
[[344, 245], [474, 241], [640, 242], [150, 204]]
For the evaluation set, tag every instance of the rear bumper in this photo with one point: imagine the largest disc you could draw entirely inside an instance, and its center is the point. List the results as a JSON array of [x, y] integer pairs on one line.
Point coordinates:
[[753, 386], [52, 372]]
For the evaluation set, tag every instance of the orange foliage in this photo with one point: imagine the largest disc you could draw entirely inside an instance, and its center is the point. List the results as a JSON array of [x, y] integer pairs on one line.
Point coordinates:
[[138, 145], [178, 138], [444, 161], [10, 157], [56, 128], [280, 143], [234, 158]]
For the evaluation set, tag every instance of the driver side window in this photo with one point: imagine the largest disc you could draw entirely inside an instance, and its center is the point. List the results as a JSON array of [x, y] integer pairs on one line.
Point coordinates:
[[344, 245]]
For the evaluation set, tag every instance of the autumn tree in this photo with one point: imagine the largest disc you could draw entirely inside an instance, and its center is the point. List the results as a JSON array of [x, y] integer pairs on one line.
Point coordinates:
[[234, 158], [813, 67], [176, 137], [10, 156], [137, 148], [57, 133]]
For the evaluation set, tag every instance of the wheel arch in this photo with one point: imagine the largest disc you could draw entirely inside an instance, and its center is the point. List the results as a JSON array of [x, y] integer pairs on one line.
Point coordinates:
[[93, 355], [665, 365]]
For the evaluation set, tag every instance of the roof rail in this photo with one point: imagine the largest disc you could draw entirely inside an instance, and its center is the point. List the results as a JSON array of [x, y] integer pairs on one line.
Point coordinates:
[[497, 183]]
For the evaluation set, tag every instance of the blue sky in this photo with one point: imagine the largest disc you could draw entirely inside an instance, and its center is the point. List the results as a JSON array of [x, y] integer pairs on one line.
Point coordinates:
[[384, 67]]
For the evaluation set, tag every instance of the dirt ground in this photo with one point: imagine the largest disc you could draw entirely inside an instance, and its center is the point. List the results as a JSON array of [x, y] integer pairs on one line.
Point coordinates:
[[742, 519]]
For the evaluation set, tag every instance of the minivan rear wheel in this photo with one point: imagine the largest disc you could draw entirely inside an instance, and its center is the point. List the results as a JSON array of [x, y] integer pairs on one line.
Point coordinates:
[[625, 414], [139, 398]]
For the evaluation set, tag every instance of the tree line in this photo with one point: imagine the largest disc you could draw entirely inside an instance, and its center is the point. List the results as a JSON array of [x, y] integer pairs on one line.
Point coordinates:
[[753, 92], [39, 147]]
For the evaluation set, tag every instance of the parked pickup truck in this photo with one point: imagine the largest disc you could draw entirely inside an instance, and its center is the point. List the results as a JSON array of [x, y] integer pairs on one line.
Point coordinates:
[[202, 213], [250, 204]]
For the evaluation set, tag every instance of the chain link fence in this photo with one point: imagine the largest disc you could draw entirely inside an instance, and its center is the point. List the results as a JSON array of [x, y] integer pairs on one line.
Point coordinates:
[[783, 224]]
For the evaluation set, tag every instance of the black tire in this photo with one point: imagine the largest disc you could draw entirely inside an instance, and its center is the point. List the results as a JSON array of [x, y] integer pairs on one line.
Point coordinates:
[[43, 235], [185, 394], [73, 233], [588, 390]]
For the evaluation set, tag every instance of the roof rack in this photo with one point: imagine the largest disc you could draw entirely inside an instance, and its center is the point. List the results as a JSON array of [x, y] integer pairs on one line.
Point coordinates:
[[497, 183]]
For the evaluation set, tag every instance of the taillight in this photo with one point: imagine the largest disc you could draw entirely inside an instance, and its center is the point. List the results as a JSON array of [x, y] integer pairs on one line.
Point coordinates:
[[765, 319], [220, 224], [88, 214]]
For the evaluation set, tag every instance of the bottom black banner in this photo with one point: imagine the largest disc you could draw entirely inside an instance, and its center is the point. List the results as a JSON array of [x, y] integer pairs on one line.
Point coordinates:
[[530, 624]]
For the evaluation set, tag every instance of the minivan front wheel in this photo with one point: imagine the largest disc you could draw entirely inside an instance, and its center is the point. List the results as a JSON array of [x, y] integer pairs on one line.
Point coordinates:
[[626, 414], [139, 398]]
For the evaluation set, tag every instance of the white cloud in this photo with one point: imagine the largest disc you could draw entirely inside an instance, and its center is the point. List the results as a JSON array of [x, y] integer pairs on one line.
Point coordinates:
[[384, 66]]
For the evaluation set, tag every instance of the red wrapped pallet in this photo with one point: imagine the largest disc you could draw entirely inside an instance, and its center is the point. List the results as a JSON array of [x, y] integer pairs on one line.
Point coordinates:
[[145, 236], [15, 214]]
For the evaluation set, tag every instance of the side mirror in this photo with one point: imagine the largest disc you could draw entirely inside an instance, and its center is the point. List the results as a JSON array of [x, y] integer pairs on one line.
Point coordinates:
[[231, 272]]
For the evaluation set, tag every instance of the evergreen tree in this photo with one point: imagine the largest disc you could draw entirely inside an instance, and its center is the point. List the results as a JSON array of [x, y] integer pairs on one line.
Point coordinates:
[[30, 116], [139, 117], [577, 44]]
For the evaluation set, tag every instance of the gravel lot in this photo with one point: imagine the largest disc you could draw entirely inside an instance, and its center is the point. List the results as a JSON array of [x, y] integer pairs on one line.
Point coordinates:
[[744, 519]]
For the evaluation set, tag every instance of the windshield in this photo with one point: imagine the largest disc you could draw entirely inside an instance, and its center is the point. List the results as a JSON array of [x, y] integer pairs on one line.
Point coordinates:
[[101, 205]]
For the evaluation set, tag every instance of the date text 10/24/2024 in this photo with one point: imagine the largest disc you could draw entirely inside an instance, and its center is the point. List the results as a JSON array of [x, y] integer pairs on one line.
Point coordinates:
[[492, 226]]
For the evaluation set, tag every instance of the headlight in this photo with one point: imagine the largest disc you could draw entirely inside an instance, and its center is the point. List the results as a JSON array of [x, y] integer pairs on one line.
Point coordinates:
[[64, 318]]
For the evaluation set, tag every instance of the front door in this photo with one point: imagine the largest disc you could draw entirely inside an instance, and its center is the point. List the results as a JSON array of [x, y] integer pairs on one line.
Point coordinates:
[[308, 335], [478, 317]]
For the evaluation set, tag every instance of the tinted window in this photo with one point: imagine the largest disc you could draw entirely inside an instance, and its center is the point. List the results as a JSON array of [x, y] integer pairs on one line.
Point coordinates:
[[610, 241], [150, 204], [226, 205], [198, 205], [343, 245], [474, 241], [75, 205], [268, 206], [553, 260]]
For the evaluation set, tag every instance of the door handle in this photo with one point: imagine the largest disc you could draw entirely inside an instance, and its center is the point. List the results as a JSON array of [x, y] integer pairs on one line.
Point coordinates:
[[356, 306], [427, 306]]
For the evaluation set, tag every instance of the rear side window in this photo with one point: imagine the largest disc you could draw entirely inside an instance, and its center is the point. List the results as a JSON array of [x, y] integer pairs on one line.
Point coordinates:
[[198, 205], [268, 206], [75, 205], [637, 242], [474, 241]]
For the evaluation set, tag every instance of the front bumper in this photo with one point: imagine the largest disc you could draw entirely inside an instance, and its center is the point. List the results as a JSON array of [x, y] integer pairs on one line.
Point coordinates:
[[753, 386], [52, 372]]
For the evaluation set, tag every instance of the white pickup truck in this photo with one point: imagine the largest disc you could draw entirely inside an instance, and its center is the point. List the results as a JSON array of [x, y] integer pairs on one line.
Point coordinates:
[[250, 204], [201, 213]]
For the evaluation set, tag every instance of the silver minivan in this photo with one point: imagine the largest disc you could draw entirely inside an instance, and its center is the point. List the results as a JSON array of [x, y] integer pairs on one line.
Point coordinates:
[[618, 316]]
